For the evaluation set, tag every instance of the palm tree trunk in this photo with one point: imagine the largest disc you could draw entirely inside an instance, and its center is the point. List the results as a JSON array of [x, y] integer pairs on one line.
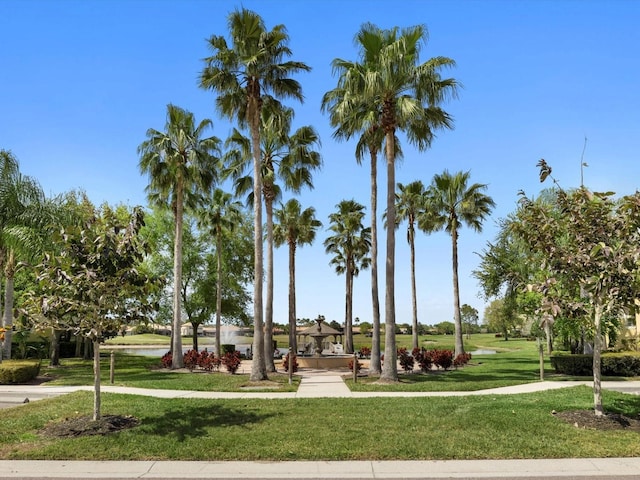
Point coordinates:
[[176, 338], [375, 366], [348, 314], [459, 346], [390, 367], [268, 324], [414, 299], [218, 289], [292, 299], [7, 317], [597, 354], [258, 367]]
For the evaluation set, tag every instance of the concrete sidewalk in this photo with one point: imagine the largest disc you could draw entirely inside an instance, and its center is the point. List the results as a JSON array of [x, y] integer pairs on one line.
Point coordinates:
[[313, 384], [578, 468]]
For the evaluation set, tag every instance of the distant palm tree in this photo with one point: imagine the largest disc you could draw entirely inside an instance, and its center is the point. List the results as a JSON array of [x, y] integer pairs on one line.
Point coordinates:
[[181, 166], [295, 227], [245, 75], [288, 157], [407, 95], [220, 217], [410, 204], [454, 203], [23, 216], [350, 244]]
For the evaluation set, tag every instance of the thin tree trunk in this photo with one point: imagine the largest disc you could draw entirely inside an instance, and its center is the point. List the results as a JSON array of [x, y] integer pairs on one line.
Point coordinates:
[[414, 299], [96, 378], [348, 310], [7, 317], [176, 339], [390, 367], [194, 336], [292, 299], [54, 354], [218, 290], [459, 346], [258, 366], [597, 351], [268, 324], [375, 366]]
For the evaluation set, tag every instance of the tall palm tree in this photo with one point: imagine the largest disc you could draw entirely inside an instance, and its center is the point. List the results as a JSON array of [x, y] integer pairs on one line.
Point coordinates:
[[23, 216], [407, 95], [220, 217], [410, 204], [243, 75], [350, 116], [350, 244], [288, 157], [453, 203], [181, 166], [295, 227]]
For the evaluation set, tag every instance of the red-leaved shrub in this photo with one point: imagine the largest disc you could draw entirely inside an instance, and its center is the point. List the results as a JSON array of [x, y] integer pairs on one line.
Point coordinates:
[[285, 363], [231, 361]]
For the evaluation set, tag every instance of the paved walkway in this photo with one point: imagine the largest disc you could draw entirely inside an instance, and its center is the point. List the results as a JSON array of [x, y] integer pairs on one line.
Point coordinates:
[[313, 384]]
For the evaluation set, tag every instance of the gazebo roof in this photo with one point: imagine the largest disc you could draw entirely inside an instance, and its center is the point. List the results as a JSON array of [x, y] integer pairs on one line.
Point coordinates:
[[324, 328]]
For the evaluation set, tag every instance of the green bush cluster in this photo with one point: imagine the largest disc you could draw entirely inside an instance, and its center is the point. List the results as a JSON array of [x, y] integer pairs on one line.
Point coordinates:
[[612, 365], [18, 371]]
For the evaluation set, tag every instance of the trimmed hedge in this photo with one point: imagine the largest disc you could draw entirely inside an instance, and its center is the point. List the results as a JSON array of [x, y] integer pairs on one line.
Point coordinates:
[[18, 371], [612, 365]]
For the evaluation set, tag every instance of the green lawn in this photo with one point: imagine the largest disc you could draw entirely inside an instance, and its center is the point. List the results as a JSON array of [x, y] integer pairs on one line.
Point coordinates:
[[485, 427], [145, 372], [471, 427]]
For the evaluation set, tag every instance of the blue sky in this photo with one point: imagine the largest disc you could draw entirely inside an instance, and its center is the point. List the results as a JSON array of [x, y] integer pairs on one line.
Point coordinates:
[[83, 80]]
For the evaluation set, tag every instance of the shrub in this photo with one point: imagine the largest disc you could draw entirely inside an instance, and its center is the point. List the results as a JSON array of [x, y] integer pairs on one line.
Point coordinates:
[[13, 371], [406, 361], [358, 366], [365, 352], [285, 363], [190, 359], [208, 361], [423, 357], [166, 360], [227, 348], [579, 365], [442, 358], [613, 365], [462, 359], [231, 361]]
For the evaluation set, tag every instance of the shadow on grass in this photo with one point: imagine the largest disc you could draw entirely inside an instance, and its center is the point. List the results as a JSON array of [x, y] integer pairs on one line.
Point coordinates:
[[191, 421]]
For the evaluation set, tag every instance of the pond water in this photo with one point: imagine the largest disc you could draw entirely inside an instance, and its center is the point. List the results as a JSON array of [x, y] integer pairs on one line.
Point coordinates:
[[159, 352], [482, 351]]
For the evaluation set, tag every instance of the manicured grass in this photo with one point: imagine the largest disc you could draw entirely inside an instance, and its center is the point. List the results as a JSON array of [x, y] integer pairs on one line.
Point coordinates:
[[484, 427], [144, 372], [484, 371]]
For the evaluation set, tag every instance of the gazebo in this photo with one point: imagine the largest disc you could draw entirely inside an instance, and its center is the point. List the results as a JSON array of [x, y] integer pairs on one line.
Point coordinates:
[[312, 339]]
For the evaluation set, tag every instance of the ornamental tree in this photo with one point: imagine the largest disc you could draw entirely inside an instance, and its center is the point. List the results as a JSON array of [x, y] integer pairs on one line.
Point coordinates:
[[93, 284], [589, 256]]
